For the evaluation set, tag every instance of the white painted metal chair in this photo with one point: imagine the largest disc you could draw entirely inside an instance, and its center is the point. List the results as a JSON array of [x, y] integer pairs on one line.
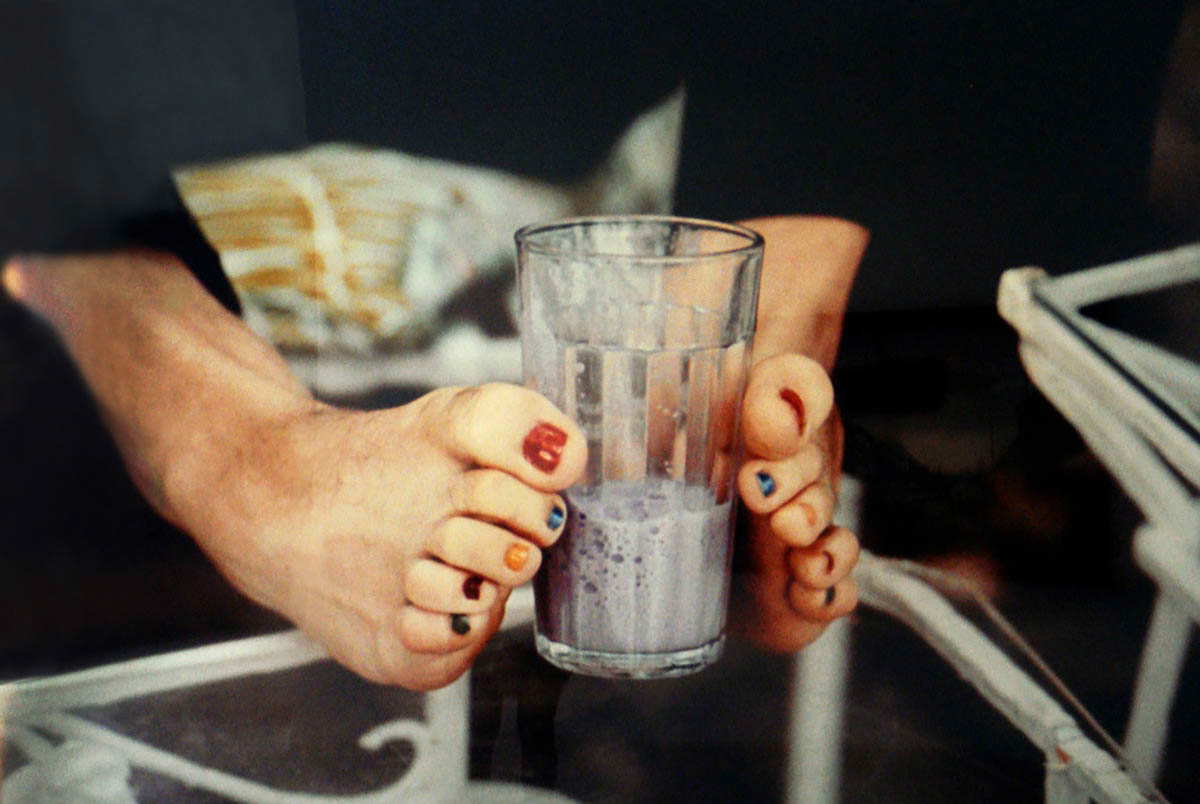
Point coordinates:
[[1138, 407]]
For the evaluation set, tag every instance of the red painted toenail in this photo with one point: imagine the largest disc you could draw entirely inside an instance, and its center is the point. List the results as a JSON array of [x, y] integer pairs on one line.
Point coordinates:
[[471, 587], [793, 399], [516, 556], [543, 446], [828, 562]]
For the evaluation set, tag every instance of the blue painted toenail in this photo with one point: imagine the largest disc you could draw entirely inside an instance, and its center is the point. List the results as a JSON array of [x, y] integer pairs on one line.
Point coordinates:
[[766, 484], [556, 518]]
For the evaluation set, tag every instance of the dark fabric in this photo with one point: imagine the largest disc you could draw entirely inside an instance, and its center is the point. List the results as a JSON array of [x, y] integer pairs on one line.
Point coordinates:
[[538, 88], [969, 136], [101, 100]]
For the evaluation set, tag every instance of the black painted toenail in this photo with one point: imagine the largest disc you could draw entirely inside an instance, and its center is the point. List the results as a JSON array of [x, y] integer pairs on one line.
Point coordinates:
[[459, 624], [830, 594], [766, 484], [556, 518]]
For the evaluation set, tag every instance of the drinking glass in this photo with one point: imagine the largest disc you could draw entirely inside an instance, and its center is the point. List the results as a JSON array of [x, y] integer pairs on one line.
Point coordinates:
[[639, 328]]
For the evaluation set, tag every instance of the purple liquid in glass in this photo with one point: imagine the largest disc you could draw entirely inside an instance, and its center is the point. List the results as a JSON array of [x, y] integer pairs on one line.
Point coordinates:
[[640, 570]]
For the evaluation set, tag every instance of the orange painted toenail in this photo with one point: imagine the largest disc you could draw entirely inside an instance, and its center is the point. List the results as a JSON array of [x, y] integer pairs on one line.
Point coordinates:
[[516, 556], [543, 446], [810, 514]]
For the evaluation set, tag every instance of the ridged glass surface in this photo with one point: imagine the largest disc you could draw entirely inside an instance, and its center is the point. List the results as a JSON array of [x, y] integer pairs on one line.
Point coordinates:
[[644, 341]]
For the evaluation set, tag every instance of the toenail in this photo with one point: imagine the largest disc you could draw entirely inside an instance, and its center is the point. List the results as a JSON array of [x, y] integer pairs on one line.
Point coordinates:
[[828, 562], [557, 515], [543, 446], [830, 594], [516, 556], [471, 587], [766, 484], [459, 624], [793, 399]]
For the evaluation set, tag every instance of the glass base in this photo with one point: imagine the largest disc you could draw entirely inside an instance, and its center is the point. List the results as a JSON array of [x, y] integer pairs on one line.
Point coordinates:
[[629, 665]]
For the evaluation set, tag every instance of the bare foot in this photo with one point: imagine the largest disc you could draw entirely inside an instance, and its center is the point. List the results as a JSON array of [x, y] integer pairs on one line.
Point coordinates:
[[394, 537], [799, 562]]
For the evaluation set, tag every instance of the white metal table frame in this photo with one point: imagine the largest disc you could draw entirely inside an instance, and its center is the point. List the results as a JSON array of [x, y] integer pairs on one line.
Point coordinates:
[[35, 710]]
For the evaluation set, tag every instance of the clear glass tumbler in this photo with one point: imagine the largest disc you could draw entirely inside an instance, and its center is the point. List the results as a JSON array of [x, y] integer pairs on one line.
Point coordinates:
[[640, 329]]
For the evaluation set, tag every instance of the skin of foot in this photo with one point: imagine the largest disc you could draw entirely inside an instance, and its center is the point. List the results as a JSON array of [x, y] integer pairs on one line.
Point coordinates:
[[394, 537], [796, 562], [799, 563], [391, 537]]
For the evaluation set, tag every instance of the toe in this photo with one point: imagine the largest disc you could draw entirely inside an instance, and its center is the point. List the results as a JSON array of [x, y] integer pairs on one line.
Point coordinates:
[[484, 549], [805, 517], [423, 631], [432, 585], [510, 428], [766, 485], [824, 605], [787, 398], [424, 650], [497, 497], [826, 561]]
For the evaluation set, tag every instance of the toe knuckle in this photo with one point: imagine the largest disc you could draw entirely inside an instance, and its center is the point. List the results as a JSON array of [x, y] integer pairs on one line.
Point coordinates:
[[496, 490], [502, 396], [463, 419], [478, 487], [462, 492]]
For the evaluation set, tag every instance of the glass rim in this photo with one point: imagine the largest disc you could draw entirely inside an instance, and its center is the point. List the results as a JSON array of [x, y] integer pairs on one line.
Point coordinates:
[[524, 237]]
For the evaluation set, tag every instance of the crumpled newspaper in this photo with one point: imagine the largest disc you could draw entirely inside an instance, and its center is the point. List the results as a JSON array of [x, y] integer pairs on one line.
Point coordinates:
[[345, 249], [355, 248]]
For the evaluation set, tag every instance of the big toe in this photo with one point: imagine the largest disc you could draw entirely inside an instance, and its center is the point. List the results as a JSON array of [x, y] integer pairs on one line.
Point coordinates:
[[510, 428], [787, 398]]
